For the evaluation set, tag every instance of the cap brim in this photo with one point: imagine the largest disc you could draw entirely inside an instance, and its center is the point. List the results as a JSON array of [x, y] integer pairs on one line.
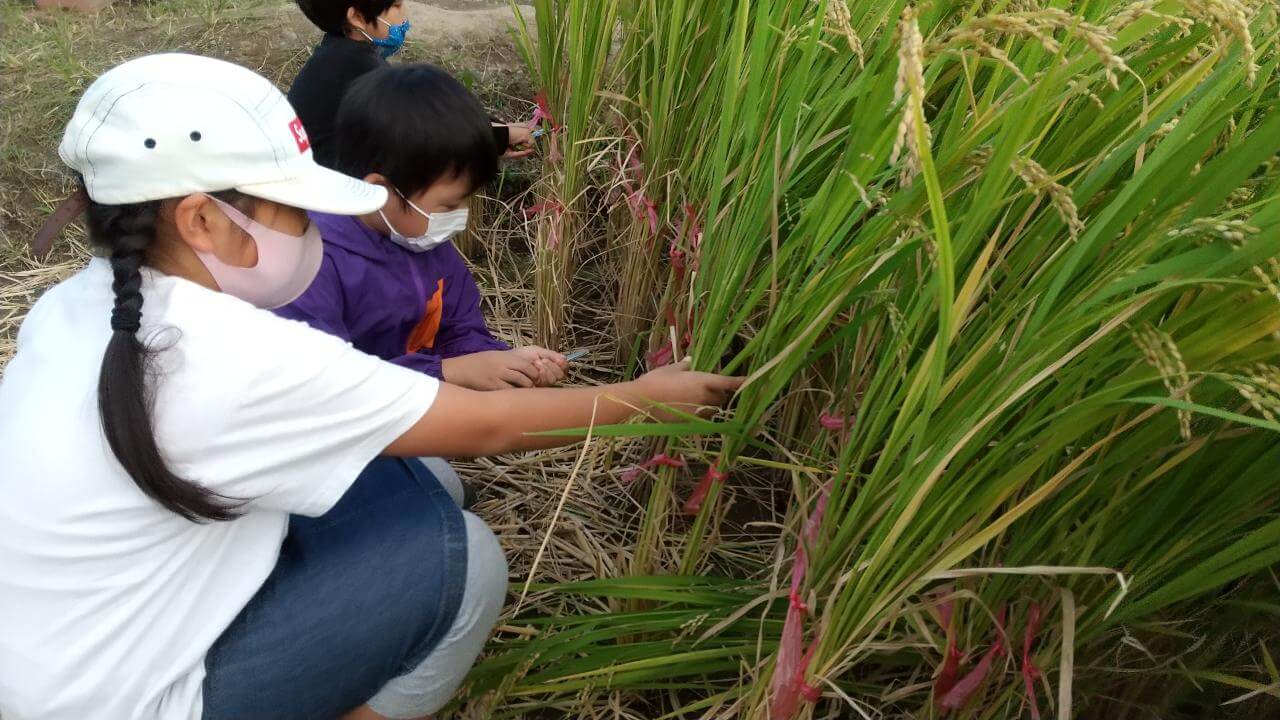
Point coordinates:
[[322, 190]]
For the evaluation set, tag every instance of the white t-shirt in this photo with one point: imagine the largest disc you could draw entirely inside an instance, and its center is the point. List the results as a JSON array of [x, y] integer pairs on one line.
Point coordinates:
[[108, 601]]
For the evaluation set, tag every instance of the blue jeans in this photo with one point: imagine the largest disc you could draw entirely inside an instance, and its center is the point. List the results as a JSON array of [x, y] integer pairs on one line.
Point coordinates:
[[360, 595]]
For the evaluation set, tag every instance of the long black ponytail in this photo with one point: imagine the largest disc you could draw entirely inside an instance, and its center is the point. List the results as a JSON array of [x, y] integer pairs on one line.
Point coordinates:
[[124, 400]]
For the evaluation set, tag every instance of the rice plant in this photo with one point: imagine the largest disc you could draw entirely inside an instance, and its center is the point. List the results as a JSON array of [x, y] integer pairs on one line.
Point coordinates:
[[568, 52], [1004, 280]]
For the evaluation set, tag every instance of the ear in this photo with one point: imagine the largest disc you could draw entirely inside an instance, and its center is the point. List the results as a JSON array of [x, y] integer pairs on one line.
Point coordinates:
[[392, 193], [200, 223], [356, 20]]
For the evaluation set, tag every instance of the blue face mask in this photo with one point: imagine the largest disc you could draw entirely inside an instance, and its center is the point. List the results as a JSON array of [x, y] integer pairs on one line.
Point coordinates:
[[394, 40]]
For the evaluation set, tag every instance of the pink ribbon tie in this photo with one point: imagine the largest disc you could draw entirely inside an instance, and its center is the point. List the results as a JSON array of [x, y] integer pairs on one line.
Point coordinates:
[[661, 356], [950, 671], [543, 112], [551, 206], [810, 693], [644, 209], [555, 209], [655, 461], [959, 694], [1030, 673], [788, 686], [633, 162], [693, 228], [694, 503], [676, 255], [833, 422]]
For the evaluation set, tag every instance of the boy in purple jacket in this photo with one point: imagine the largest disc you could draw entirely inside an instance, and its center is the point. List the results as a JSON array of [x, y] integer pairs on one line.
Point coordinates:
[[391, 282]]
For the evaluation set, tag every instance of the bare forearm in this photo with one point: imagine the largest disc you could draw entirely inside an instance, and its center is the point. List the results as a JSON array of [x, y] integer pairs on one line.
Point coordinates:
[[540, 410], [466, 423]]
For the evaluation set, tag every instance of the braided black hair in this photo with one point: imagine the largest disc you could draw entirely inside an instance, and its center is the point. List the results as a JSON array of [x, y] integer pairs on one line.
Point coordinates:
[[124, 402]]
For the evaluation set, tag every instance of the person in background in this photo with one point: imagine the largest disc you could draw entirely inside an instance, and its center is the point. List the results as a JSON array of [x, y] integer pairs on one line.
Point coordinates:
[[359, 36], [391, 282], [206, 509]]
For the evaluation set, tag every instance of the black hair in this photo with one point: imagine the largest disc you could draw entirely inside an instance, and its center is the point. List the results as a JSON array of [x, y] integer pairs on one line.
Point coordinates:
[[414, 125], [331, 15], [124, 400]]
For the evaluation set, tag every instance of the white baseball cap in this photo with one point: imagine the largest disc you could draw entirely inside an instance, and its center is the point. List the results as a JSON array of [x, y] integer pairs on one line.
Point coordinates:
[[172, 124]]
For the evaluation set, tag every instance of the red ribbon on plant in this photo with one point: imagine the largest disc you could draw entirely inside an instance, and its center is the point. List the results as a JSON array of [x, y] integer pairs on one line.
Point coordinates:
[[552, 206], [691, 231], [950, 671], [543, 112], [833, 422], [712, 476], [658, 459], [661, 356], [633, 161], [693, 228], [667, 352], [1030, 673], [814, 523], [556, 210], [809, 692], [642, 206], [944, 610], [676, 255], [959, 694], [789, 686], [644, 209]]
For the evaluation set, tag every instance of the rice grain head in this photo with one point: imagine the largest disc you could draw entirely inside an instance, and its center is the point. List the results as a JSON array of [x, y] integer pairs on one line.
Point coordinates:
[[909, 87], [1162, 353], [1227, 20], [838, 22], [1043, 26], [1039, 180], [1259, 385]]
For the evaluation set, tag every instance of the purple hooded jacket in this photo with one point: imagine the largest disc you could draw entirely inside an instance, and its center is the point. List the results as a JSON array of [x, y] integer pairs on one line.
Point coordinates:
[[414, 309]]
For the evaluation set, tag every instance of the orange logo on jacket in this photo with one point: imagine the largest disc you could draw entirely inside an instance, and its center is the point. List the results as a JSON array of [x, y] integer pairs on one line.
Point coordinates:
[[423, 336]]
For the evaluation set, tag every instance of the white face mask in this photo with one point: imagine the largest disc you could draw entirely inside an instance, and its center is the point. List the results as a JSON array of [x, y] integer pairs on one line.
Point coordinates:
[[441, 227]]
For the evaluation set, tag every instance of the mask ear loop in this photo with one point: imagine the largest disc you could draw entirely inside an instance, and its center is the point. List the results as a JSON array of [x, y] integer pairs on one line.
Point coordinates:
[[409, 202], [369, 37], [388, 222], [389, 225]]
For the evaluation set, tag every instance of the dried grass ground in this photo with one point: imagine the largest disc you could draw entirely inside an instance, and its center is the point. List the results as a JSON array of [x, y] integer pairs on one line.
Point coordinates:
[[48, 58]]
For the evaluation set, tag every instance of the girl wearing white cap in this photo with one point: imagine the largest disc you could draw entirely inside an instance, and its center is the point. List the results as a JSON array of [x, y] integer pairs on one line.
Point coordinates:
[[203, 512]]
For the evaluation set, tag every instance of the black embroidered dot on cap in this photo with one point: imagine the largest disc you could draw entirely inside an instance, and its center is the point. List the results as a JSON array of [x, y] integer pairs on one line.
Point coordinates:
[[195, 136], [149, 142]]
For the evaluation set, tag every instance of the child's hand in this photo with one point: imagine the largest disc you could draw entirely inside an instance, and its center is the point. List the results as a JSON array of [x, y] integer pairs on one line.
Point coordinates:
[[520, 143], [492, 370], [551, 366], [679, 387]]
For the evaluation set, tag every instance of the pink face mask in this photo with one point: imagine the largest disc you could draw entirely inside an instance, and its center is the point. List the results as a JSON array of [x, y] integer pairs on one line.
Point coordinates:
[[286, 263]]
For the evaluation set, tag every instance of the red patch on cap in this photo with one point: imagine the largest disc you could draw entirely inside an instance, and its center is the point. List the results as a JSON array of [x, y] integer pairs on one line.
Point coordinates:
[[299, 135]]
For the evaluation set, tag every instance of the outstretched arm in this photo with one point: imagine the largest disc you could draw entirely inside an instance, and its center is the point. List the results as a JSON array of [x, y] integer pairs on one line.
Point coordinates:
[[467, 423]]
